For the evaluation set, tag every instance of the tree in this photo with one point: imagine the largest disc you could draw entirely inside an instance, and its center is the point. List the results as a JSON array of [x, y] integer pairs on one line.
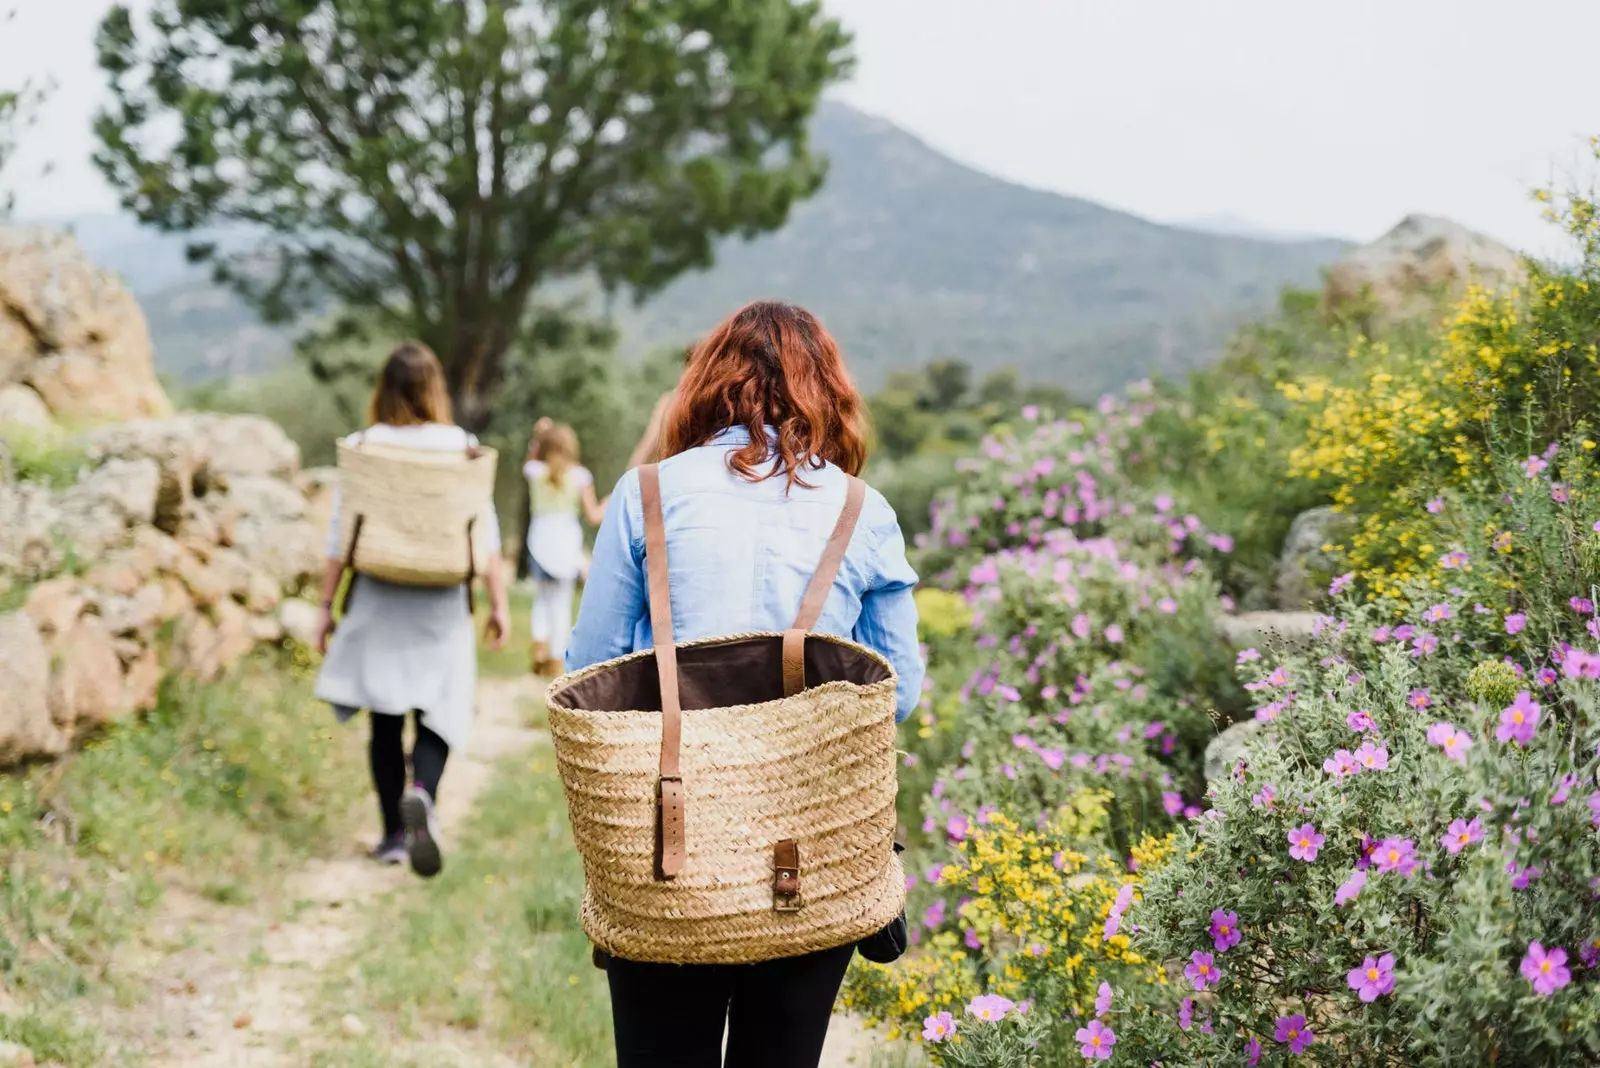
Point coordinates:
[[17, 109], [428, 164]]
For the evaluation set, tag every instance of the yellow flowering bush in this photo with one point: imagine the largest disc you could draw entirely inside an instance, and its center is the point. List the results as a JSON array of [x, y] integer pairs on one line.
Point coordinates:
[[1020, 913], [1397, 431]]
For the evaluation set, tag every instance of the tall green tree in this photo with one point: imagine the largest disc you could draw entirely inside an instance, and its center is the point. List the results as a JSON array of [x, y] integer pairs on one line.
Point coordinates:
[[18, 107], [427, 165]]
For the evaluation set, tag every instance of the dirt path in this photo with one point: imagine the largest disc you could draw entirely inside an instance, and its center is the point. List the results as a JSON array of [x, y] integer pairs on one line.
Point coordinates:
[[234, 985]]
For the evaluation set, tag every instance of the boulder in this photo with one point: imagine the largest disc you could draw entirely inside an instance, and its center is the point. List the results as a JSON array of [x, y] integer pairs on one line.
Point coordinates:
[[72, 331], [31, 530], [85, 678], [136, 615], [1409, 269], [26, 729], [1226, 749], [300, 620], [1304, 567], [55, 604], [1251, 630], [235, 635], [205, 584], [22, 406], [141, 686], [97, 511]]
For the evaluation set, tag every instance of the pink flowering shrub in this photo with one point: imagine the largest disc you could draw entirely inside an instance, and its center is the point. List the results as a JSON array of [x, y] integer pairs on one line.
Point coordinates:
[[1405, 866]]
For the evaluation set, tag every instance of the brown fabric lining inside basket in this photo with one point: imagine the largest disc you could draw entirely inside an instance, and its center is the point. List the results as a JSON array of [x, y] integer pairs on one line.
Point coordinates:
[[742, 671]]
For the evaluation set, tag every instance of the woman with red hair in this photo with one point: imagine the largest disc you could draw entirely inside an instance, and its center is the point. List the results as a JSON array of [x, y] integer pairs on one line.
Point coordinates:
[[757, 445]]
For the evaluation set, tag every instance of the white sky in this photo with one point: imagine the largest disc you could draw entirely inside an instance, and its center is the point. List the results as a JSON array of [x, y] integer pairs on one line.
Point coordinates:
[[1300, 117]]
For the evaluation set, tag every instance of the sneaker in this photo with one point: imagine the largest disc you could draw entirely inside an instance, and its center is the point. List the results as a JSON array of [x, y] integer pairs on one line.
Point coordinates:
[[422, 839], [391, 850]]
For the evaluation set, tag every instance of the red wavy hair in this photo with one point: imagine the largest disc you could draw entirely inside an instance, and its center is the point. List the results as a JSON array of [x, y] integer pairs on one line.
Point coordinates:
[[770, 364]]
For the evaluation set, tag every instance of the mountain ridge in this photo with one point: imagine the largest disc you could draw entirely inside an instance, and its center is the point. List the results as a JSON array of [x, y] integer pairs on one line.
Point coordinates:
[[907, 255]]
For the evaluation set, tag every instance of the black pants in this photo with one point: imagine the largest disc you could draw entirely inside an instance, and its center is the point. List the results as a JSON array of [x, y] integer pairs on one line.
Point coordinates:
[[388, 753], [776, 1013]]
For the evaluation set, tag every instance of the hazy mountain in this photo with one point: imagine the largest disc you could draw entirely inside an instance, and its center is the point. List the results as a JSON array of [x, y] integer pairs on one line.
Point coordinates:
[[1237, 226], [905, 254]]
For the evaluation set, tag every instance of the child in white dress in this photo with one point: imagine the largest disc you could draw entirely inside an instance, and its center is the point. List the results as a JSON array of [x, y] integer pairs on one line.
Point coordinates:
[[560, 490]]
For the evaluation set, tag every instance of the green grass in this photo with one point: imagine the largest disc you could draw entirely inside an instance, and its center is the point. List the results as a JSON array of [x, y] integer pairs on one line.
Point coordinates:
[[216, 789], [44, 456], [493, 945]]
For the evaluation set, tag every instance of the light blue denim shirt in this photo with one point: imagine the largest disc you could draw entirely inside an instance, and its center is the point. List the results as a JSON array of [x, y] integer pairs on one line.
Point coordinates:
[[739, 556]]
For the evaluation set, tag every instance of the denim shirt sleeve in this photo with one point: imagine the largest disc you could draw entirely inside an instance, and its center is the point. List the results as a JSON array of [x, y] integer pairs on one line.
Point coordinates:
[[614, 597], [888, 621]]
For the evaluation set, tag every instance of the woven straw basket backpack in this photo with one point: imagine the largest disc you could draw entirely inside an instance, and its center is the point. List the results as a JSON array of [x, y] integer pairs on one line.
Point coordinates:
[[414, 517], [732, 798]]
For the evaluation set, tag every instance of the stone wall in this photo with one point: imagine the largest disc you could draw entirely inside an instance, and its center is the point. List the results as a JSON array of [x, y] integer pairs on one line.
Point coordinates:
[[180, 546]]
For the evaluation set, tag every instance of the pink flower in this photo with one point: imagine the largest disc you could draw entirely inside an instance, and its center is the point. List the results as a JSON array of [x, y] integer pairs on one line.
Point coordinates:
[[957, 827], [1371, 757], [938, 1027], [990, 1007], [934, 916], [1515, 622], [1563, 789], [1114, 633], [1454, 742], [1397, 855], [1224, 930], [1167, 606], [1532, 466], [1173, 803], [1419, 699], [1293, 1031], [1518, 720], [1185, 1014], [1461, 834], [1304, 843], [1380, 635], [1360, 720], [1594, 808], [1452, 560], [1118, 907], [1547, 971], [1424, 645], [1581, 605], [1095, 1041], [1252, 1052], [1201, 971], [1435, 506], [1102, 1000], [1246, 655], [1350, 888], [1080, 625], [1560, 493], [1374, 978], [1342, 763], [1341, 583], [1266, 797]]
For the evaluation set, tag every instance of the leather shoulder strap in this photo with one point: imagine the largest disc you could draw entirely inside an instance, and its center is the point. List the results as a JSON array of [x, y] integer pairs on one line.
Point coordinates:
[[794, 639], [669, 787]]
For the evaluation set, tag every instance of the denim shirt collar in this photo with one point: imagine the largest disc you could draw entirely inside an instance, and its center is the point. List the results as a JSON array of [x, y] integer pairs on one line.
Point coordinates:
[[740, 435]]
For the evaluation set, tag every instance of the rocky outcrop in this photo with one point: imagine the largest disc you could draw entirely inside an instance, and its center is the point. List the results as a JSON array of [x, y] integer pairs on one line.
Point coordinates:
[[71, 334], [1227, 748], [181, 546], [1258, 630], [1407, 270]]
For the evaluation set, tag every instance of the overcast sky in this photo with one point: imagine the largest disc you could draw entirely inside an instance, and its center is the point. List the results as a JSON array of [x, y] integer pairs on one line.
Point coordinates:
[[1299, 117]]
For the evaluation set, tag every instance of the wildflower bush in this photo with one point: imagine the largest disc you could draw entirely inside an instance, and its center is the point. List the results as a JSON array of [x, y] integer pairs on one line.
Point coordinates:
[[1401, 425], [1017, 917], [1405, 866]]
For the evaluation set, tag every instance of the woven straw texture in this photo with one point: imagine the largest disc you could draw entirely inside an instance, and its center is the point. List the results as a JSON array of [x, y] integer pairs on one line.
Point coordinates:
[[817, 767], [415, 505]]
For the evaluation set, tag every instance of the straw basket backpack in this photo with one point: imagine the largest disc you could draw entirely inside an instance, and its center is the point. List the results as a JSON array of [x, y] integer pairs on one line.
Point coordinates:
[[732, 798], [414, 517]]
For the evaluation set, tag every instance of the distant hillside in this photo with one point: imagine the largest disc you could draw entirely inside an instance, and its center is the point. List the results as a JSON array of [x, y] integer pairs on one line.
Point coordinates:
[[907, 255]]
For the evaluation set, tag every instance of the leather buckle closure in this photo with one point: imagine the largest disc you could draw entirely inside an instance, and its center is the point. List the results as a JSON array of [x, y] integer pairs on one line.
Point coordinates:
[[786, 876]]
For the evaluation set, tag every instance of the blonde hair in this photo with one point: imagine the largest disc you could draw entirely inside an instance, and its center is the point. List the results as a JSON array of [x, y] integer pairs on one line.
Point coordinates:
[[558, 448], [411, 389]]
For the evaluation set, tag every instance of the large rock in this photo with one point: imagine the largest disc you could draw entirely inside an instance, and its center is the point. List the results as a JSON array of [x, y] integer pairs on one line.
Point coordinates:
[[26, 729], [1226, 749], [85, 678], [1424, 258], [22, 406], [1254, 630], [72, 331], [1305, 566], [97, 512]]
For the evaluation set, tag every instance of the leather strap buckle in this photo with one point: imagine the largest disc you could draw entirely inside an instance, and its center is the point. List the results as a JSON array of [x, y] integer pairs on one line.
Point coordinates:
[[786, 876]]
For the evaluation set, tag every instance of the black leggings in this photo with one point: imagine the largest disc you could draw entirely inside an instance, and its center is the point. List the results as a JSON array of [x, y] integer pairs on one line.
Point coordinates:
[[388, 753], [776, 1013]]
